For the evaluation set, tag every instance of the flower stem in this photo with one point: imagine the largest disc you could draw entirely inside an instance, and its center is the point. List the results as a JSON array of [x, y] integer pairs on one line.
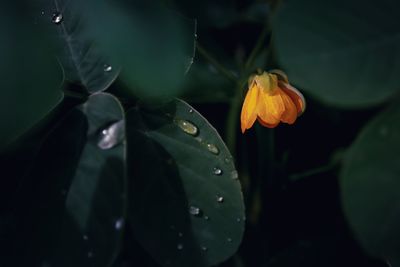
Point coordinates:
[[216, 64]]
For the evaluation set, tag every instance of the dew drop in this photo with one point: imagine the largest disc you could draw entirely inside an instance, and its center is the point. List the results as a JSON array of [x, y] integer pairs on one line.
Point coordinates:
[[85, 237], [203, 248], [119, 224], [187, 127], [195, 211], [238, 220], [179, 246], [180, 234], [42, 13], [217, 171], [229, 239], [191, 110], [234, 175], [206, 218], [112, 135], [57, 18], [90, 254], [213, 149], [227, 160], [107, 68], [220, 199]]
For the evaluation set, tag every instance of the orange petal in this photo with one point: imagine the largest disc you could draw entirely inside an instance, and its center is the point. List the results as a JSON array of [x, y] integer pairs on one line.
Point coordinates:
[[290, 113], [269, 112], [295, 95], [265, 124], [249, 108]]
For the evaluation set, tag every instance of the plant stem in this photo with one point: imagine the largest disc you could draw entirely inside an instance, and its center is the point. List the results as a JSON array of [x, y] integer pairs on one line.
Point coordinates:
[[315, 171], [216, 64]]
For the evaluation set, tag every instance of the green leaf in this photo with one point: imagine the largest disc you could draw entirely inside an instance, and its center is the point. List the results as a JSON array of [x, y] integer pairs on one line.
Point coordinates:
[[30, 76], [186, 206], [154, 45], [78, 52], [73, 207], [204, 84], [345, 53], [370, 183]]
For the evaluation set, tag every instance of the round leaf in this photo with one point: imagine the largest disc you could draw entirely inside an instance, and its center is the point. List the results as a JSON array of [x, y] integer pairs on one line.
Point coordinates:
[[370, 183], [186, 203], [346, 53]]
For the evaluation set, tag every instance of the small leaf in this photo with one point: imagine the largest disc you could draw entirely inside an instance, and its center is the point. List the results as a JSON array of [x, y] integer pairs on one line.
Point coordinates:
[[154, 45], [30, 76], [72, 208], [370, 183], [345, 53], [78, 51], [186, 203]]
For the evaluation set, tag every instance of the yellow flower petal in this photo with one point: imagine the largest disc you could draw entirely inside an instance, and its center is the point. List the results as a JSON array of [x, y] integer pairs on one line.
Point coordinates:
[[267, 111], [249, 109], [267, 82], [290, 113], [295, 95]]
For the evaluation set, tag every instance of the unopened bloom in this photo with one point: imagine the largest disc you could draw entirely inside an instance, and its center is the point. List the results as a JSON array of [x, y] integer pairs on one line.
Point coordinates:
[[271, 99]]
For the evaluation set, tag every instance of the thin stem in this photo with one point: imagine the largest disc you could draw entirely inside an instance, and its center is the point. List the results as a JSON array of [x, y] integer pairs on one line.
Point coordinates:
[[216, 64], [315, 171]]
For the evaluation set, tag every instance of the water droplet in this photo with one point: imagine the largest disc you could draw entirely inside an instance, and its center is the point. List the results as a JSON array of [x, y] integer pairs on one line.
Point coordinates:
[[57, 18], [90, 254], [227, 160], [234, 175], [85, 237], [195, 35], [107, 68], [203, 248], [119, 224], [220, 199], [229, 239], [213, 149], [191, 110], [195, 211], [238, 220], [187, 127], [217, 171], [206, 218], [179, 246], [112, 135], [42, 12], [180, 234]]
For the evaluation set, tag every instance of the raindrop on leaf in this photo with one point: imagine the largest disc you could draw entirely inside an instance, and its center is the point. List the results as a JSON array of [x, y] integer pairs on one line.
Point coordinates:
[[195, 211], [217, 171], [119, 224], [112, 136], [187, 127], [107, 68], [57, 18], [220, 199], [213, 149]]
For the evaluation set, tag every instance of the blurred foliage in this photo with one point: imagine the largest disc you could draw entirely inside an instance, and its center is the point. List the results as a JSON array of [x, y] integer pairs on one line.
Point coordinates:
[[104, 165]]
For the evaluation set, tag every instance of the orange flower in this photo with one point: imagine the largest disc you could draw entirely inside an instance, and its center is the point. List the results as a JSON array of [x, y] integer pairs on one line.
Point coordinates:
[[271, 99]]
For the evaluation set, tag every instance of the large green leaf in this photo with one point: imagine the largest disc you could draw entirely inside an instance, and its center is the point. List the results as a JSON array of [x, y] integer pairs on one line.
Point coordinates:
[[154, 45], [186, 206], [73, 206], [30, 75], [346, 53], [78, 52], [370, 184]]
